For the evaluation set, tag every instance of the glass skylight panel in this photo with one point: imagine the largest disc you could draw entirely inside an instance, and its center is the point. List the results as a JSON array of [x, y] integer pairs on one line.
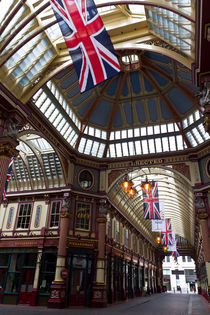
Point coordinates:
[[202, 130], [165, 144], [191, 120], [49, 110], [197, 115], [163, 128], [179, 141], [98, 133], [95, 148], [101, 150], [74, 139], [88, 146], [125, 148], [151, 146], [197, 135], [57, 120], [176, 127], [171, 127], [138, 147], [136, 132], [145, 147], [131, 148], [54, 115], [112, 150], [82, 145], [118, 150], [143, 131], [172, 143], [117, 135], [136, 9], [64, 129], [185, 123], [91, 131], [69, 130], [130, 133], [103, 135], [191, 138], [150, 130], [61, 124], [158, 145], [45, 105], [156, 129]]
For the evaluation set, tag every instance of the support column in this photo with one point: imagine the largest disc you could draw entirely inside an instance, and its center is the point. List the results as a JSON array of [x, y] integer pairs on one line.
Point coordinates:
[[203, 217], [99, 287], [33, 297], [208, 276], [58, 286]]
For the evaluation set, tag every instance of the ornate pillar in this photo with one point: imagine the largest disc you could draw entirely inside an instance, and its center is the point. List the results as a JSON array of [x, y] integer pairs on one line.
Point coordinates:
[[33, 296], [205, 103], [8, 143], [99, 288], [58, 286]]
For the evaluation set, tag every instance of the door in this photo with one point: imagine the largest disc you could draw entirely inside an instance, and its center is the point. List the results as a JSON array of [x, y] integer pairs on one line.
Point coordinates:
[[77, 287], [26, 286]]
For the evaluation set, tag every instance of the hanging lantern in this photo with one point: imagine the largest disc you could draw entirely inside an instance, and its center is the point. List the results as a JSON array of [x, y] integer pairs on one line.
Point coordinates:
[[132, 192], [158, 239], [126, 185], [146, 186], [165, 248]]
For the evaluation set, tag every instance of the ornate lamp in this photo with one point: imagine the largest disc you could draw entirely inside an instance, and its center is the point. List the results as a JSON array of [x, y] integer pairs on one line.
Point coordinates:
[[126, 185], [158, 239], [146, 186], [131, 193], [165, 248]]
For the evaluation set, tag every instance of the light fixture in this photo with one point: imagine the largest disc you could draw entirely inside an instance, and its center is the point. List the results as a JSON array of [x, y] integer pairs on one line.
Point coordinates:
[[158, 239], [126, 185], [132, 192], [146, 186], [165, 248]]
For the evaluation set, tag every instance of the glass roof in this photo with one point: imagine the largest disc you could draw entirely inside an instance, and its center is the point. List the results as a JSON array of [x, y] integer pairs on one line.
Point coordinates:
[[139, 112]]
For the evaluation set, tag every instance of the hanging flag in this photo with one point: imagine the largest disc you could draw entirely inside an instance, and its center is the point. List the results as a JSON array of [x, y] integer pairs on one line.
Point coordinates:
[[167, 235], [175, 254], [172, 247], [158, 225], [162, 209], [151, 203], [87, 40], [8, 177]]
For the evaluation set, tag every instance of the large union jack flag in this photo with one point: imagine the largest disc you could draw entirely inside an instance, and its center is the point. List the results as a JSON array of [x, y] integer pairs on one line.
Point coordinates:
[[151, 203], [8, 177], [167, 235], [87, 41]]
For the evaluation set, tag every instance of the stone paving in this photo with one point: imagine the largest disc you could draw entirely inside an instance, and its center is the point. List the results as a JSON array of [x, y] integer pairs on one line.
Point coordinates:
[[157, 304]]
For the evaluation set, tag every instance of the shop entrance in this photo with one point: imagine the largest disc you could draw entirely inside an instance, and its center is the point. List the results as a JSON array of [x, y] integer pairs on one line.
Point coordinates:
[[80, 278], [26, 286], [78, 287]]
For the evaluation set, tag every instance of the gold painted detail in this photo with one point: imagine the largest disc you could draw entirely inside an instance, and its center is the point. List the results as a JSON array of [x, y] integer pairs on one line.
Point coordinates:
[[5, 148], [64, 214], [80, 244], [203, 216], [101, 220]]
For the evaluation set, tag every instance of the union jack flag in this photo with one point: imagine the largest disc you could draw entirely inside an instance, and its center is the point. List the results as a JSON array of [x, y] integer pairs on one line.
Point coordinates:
[[151, 203], [167, 235], [8, 177], [87, 40]]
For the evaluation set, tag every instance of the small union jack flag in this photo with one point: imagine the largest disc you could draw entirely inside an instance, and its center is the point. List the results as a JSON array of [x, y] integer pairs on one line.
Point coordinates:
[[151, 203], [87, 40], [8, 177], [167, 235]]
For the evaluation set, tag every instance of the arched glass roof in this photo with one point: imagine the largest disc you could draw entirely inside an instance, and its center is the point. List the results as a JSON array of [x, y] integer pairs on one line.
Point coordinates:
[[149, 108]]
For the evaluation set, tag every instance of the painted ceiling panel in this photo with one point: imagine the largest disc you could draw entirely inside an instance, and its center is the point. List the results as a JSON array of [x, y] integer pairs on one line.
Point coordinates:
[[134, 79], [180, 101], [113, 88], [157, 57], [73, 92], [128, 113], [152, 106], [118, 119], [84, 108], [148, 86], [140, 111], [62, 73], [82, 97], [160, 79], [165, 111], [69, 81], [101, 114], [125, 89], [185, 75]]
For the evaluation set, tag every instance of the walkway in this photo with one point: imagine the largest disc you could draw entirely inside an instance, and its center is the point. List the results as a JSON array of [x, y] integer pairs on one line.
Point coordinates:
[[157, 304]]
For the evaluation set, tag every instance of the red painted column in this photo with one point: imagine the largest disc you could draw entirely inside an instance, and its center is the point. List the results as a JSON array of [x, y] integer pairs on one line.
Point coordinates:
[[99, 288], [58, 287]]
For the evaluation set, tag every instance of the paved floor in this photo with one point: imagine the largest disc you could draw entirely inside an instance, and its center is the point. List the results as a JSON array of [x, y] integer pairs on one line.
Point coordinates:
[[157, 304]]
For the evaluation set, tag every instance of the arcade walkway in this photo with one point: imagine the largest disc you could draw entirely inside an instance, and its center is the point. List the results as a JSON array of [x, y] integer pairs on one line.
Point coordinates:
[[158, 304]]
